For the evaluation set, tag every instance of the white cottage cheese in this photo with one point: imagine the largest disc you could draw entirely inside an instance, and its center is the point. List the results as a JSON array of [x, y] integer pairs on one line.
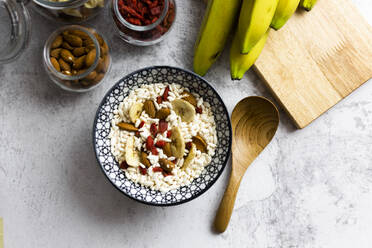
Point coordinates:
[[203, 125]]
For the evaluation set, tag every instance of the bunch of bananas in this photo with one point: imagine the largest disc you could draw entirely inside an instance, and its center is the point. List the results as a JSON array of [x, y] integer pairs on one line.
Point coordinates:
[[255, 19]]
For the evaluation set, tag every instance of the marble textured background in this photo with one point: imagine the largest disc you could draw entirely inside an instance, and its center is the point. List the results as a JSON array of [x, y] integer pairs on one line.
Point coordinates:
[[309, 188]]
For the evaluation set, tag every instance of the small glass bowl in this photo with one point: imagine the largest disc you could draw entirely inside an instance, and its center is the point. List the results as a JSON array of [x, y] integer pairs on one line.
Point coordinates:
[[84, 80], [144, 35], [72, 11]]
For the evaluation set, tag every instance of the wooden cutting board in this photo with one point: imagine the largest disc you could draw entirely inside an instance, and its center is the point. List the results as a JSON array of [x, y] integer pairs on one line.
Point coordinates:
[[317, 59]]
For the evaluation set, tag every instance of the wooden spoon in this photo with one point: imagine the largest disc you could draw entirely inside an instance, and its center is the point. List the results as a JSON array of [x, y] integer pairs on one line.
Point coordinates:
[[254, 122]]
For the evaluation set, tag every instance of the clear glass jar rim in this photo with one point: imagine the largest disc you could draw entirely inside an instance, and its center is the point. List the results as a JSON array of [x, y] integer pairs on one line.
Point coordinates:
[[60, 5], [136, 27], [46, 53], [20, 29]]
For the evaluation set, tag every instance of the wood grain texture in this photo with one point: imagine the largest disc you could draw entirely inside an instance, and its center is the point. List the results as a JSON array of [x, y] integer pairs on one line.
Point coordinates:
[[254, 122], [317, 59]]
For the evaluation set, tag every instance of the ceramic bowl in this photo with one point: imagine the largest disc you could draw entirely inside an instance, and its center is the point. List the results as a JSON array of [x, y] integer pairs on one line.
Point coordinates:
[[102, 125]]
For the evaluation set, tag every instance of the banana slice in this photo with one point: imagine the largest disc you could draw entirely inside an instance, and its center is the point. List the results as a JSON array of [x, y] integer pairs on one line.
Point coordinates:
[[184, 109], [135, 111], [178, 143], [190, 157], [131, 155]]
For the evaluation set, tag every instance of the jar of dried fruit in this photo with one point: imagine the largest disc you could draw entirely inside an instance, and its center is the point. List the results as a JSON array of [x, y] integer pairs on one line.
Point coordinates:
[[76, 58], [69, 10], [143, 22]]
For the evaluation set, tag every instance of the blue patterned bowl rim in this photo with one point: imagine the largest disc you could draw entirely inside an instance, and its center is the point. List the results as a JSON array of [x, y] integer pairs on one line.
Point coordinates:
[[208, 186]]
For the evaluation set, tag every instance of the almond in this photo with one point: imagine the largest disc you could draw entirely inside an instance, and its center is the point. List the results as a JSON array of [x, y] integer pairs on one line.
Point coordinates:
[[162, 113], [55, 53], [190, 98], [166, 165], [200, 143], [127, 126], [57, 42], [73, 40], [167, 150], [149, 108], [144, 159]]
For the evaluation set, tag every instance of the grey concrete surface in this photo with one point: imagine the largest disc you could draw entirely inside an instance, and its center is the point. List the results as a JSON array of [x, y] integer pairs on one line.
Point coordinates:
[[309, 188]]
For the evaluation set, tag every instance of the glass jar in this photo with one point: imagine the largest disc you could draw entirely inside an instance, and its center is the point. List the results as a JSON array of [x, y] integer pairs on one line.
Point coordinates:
[[69, 11], [15, 21], [15, 27], [147, 34], [76, 58]]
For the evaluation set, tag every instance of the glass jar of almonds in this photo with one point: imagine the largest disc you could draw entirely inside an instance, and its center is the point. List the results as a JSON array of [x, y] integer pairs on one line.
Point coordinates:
[[76, 58]]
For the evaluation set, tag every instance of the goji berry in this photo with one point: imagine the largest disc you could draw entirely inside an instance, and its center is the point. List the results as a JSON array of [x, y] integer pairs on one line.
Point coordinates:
[[188, 145], [169, 133], [159, 100], [124, 165], [199, 110], [153, 129], [141, 124], [157, 169], [137, 134], [165, 94], [143, 171], [132, 12], [163, 126], [160, 143], [149, 143], [165, 174], [155, 10], [134, 21], [154, 151]]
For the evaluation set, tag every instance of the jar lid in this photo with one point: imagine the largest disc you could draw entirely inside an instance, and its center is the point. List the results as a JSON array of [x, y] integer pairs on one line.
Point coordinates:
[[15, 28]]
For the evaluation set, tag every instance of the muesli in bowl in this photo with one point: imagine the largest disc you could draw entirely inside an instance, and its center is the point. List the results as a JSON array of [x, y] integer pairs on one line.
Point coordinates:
[[163, 136]]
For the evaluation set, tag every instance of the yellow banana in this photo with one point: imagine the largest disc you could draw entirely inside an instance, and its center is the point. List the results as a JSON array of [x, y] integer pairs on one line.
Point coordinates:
[[240, 63], [283, 12], [255, 18], [307, 4], [218, 21]]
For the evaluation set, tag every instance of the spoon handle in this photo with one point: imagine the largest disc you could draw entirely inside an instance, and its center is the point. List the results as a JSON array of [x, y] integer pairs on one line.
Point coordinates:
[[227, 204]]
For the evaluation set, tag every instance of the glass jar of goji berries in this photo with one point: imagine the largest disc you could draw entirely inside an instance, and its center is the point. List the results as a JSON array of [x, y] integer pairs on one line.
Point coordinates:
[[143, 22]]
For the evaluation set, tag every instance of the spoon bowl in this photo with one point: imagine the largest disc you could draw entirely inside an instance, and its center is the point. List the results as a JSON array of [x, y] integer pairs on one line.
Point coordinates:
[[254, 123]]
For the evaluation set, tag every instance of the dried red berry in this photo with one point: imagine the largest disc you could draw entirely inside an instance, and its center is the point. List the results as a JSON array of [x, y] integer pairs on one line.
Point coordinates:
[[154, 151], [163, 126], [166, 93], [155, 10], [132, 12], [141, 124], [199, 110], [157, 169], [137, 134], [159, 99], [143, 171], [165, 174], [169, 133], [188, 145], [149, 143], [153, 129], [134, 21], [124, 165], [160, 143]]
